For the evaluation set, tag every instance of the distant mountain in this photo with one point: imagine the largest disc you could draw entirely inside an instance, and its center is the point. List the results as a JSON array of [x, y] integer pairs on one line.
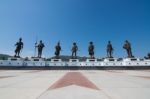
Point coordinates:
[[4, 56]]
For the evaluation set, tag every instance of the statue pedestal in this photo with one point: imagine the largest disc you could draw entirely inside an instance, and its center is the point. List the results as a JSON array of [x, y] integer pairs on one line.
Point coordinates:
[[131, 61], [34, 62], [91, 60], [15, 59], [56, 60], [112, 62], [109, 59], [73, 60], [37, 59]]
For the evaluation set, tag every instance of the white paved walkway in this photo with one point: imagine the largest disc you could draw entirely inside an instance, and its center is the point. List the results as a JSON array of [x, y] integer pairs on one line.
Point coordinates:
[[65, 84]]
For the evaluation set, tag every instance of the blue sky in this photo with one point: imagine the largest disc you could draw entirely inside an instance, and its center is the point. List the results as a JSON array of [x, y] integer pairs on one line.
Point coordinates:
[[78, 21]]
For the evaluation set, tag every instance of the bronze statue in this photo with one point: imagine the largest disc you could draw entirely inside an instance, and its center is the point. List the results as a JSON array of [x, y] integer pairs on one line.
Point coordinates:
[[109, 50], [57, 50], [40, 47], [148, 56], [74, 50], [127, 47], [19, 47], [91, 50]]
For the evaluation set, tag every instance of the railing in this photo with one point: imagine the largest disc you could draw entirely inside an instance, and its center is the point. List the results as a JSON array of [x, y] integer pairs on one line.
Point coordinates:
[[76, 62]]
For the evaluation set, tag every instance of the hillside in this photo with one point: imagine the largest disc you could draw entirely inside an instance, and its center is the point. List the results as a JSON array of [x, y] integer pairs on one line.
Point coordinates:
[[4, 56]]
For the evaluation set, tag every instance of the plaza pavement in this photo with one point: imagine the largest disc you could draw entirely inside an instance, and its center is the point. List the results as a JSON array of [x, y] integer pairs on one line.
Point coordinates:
[[74, 84]]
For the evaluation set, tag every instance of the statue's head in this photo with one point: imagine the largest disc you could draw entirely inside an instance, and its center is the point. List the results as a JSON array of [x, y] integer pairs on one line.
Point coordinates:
[[74, 43], [40, 41], [109, 42], [20, 39], [126, 41], [91, 42]]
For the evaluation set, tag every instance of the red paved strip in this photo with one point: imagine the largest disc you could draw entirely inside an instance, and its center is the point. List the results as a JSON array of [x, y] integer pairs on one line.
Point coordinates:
[[74, 78]]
